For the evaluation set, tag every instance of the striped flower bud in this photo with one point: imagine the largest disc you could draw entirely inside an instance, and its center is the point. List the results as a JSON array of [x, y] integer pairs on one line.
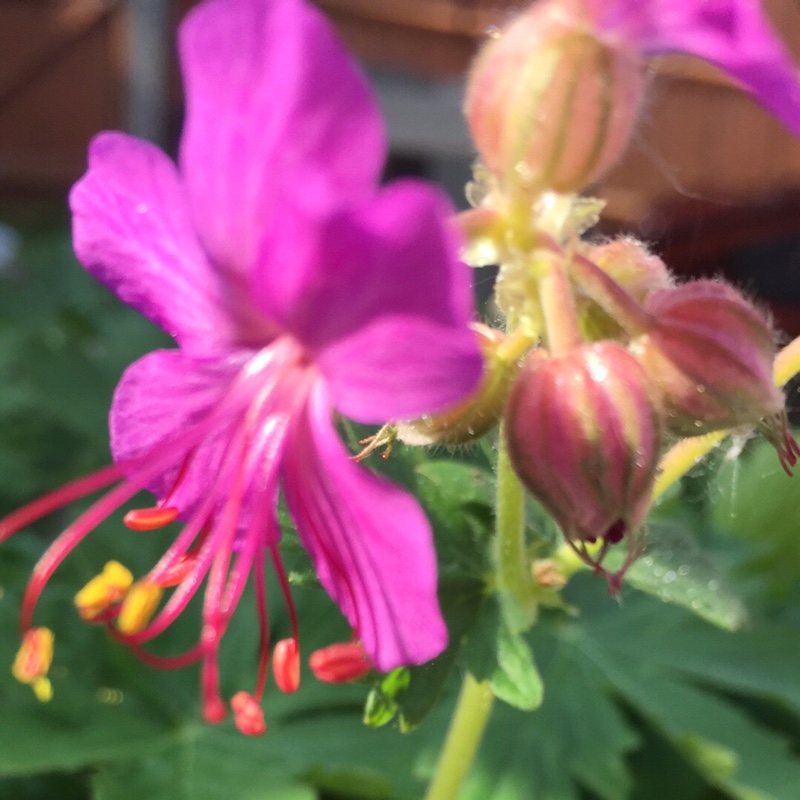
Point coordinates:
[[710, 351], [584, 438], [633, 268], [550, 105]]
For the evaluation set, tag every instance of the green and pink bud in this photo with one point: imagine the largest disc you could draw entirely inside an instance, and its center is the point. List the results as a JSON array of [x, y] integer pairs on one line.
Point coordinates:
[[710, 352], [584, 438], [622, 270], [549, 104], [632, 266]]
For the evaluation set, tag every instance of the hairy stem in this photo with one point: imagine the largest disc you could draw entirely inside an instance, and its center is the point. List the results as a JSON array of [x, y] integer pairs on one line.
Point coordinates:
[[512, 565], [463, 738]]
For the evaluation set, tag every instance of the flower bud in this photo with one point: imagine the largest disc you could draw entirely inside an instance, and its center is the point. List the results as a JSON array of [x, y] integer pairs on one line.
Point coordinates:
[[549, 105], [632, 266], [710, 352], [583, 436], [479, 413], [638, 272]]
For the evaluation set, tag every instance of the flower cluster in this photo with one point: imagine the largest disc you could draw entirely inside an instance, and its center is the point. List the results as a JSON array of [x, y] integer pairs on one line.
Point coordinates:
[[299, 290], [296, 289], [617, 361]]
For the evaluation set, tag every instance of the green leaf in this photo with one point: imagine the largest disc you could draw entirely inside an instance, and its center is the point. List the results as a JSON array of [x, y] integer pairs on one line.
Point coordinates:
[[458, 483], [382, 706], [757, 503], [202, 763], [675, 570], [516, 679], [495, 652], [461, 601], [734, 753], [577, 737]]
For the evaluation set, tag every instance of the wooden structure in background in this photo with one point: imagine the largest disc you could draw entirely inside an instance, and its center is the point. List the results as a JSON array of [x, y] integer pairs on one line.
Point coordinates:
[[702, 146], [61, 79], [59, 84]]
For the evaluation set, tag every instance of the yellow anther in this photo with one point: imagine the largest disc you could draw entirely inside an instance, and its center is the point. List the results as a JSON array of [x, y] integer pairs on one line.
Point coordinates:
[[33, 661], [104, 590], [139, 606], [43, 690]]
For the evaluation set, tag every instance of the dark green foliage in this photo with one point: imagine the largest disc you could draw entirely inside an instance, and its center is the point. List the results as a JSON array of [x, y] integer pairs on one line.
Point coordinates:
[[636, 700]]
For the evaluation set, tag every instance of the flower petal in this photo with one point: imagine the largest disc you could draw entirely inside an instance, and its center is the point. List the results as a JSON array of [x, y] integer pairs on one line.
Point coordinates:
[[131, 230], [160, 397], [369, 540], [376, 291], [734, 35], [275, 110]]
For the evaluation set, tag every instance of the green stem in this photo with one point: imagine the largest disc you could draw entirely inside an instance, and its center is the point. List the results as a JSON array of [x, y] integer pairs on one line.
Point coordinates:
[[513, 575], [562, 330], [512, 565], [463, 738]]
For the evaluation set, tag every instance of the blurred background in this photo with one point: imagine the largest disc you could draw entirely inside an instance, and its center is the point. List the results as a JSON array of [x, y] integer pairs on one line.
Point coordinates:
[[653, 702], [711, 180]]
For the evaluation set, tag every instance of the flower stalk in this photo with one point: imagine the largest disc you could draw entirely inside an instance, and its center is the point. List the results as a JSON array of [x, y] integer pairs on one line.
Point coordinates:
[[464, 736]]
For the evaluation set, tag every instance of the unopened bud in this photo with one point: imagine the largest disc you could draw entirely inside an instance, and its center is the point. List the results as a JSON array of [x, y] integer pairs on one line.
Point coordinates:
[[547, 573], [632, 266], [549, 105], [479, 413], [710, 351], [584, 438], [340, 663]]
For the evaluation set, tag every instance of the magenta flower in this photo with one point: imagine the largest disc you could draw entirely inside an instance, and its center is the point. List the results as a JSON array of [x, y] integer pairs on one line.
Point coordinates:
[[734, 35], [295, 289]]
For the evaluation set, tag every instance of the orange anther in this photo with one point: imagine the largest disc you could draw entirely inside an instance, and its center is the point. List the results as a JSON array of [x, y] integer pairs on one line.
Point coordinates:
[[286, 665], [340, 663], [248, 715], [149, 519]]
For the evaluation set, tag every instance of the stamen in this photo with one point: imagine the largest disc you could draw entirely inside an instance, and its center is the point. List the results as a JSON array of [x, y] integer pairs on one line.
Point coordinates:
[[150, 519], [33, 662], [62, 496], [340, 663], [185, 659], [286, 665], [139, 606], [248, 715], [178, 572], [263, 625], [214, 710], [66, 543], [277, 563], [103, 591], [385, 437]]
